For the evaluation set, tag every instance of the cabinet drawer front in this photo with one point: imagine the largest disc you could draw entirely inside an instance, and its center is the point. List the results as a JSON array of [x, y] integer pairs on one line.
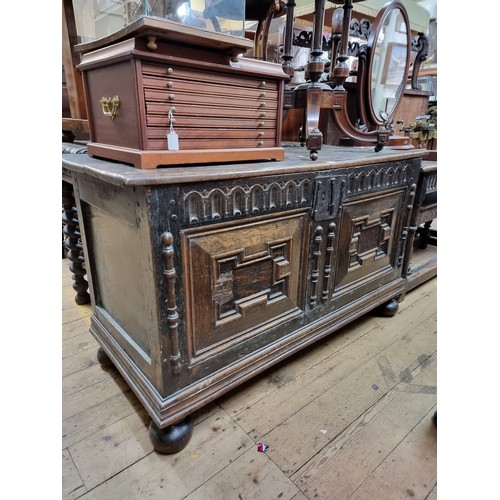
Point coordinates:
[[210, 111], [221, 119], [205, 113], [240, 280], [179, 73], [204, 91], [211, 138]]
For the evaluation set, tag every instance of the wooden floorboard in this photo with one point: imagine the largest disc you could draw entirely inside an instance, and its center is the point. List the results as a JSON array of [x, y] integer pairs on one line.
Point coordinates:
[[348, 418]]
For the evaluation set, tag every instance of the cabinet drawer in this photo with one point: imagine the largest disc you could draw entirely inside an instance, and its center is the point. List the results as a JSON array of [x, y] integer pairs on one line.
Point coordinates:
[[178, 73], [210, 112], [202, 90]]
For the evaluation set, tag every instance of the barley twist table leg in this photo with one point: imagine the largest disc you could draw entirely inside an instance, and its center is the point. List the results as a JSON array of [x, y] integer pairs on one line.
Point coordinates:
[[73, 243]]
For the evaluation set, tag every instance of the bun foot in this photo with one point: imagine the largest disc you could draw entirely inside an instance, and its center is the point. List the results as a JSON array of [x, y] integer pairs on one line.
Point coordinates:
[[173, 438], [388, 309], [103, 359], [82, 298]]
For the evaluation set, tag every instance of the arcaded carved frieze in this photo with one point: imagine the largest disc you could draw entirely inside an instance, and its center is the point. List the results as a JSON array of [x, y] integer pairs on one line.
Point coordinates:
[[365, 181], [237, 201]]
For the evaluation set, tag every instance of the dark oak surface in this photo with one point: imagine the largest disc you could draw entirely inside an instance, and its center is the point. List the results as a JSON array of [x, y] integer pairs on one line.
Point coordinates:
[[296, 160], [201, 277]]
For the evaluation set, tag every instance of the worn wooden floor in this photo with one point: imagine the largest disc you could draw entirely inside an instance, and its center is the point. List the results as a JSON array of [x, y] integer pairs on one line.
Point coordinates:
[[349, 418]]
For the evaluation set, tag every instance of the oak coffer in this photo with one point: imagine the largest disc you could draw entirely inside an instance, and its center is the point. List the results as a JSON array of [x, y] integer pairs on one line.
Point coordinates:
[[202, 277], [155, 102]]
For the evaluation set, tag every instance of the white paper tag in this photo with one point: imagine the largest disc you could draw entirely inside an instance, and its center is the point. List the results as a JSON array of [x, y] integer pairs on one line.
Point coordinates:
[[173, 141]]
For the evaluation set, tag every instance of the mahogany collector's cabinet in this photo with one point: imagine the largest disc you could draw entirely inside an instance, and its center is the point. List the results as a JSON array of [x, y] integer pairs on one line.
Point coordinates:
[[201, 277]]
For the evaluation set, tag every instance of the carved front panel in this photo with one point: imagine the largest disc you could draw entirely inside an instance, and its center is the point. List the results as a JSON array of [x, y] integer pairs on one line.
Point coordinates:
[[241, 280], [370, 233]]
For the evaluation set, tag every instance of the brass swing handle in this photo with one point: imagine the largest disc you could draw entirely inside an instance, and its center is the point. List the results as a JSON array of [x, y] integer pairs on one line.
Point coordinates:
[[110, 106]]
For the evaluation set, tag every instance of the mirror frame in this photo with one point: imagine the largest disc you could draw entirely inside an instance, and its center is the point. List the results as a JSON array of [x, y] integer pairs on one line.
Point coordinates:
[[378, 24]]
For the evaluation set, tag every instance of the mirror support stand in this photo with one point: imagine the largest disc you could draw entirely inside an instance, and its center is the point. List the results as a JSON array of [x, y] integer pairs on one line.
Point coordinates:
[[288, 40], [340, 72], [315, 95], [354, 135], [309, 134], [289, 96]]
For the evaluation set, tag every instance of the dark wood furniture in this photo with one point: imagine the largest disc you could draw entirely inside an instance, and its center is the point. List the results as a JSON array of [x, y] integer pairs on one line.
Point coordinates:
[[74, 112], [423, 260], [413, 104], [72, 241], [203, 276], [364, 115]]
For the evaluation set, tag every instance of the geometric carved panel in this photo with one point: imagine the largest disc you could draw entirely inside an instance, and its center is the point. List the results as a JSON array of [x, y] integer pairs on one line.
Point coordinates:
[[240, 279], [369, 237], [267, 270]]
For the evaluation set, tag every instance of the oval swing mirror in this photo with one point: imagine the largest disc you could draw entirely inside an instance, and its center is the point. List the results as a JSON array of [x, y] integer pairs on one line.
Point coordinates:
[[389, 46]]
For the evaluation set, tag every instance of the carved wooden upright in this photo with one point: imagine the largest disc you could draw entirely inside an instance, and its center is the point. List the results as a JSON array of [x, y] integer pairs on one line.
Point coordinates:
[[73, 244], [203, 277]]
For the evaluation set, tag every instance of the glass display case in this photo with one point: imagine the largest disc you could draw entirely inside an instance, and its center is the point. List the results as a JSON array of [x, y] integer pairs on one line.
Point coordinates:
[[166, 83], [96, 19]]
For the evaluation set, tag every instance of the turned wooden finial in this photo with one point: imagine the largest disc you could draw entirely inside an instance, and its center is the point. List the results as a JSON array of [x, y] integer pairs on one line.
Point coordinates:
[[151, 45], [340, 72]]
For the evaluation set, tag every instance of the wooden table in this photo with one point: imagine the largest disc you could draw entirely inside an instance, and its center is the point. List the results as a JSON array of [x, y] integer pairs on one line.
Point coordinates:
[[203, 276]]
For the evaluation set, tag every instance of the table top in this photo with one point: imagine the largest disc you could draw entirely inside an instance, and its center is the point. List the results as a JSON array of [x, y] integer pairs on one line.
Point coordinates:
[[296, 160]]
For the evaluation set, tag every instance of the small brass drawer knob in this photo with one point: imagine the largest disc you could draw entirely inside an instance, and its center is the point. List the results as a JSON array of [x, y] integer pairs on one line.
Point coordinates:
[[170, 84], [171, 97], [263, 83], [169, 71], [262, 104], [262, 114], [260, 143], [261, 134], [262, 94]]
